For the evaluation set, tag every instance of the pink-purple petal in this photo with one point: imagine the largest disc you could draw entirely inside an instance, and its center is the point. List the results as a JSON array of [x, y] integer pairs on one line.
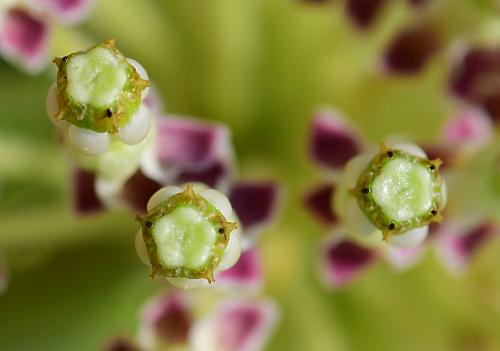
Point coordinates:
[[85, 199], [457, 247], [245, 274], [364, 12], [470, 127], [410, 50], [319, 202], [255, 202], [401, 259], [215, 175], [138, 189], [474, 78], [166, 321], [343, 260], [236, 325], [333, 142], [24, 38], [67, 11]]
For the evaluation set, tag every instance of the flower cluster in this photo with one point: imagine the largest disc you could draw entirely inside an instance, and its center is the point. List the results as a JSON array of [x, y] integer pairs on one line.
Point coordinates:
[[338, 148], [176, 321], [190, 233], [25, 28]]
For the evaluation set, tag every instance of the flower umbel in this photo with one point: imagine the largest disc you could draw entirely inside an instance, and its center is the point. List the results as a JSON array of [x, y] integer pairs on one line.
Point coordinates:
[[186, 235]]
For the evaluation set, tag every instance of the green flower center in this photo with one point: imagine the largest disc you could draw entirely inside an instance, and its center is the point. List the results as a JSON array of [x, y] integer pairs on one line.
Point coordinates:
[[96, 77], [185, 238], [403, 190]]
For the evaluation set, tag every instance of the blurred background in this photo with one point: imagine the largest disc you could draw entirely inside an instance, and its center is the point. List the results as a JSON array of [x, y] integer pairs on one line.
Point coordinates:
[[263, 67]]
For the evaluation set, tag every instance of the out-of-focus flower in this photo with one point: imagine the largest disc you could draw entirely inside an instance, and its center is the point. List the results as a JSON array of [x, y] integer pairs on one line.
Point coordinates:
[[364, 12], [475, 77], [246, 274], [174, 321], [25, 28], [344, 256], [166, 321], [24, 37], [236, 325]]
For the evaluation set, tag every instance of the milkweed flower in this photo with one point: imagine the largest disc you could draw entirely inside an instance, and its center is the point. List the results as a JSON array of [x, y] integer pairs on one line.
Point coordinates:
[[97, 106], [188, 234], [342, 256], [25, 28]]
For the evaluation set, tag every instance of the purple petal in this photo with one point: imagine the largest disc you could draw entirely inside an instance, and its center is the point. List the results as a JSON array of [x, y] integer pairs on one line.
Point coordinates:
[[3, 274], [137, 191], [246, 273], [121, 344], [333, 142], [410, 50], [215, 175], [24, 39], [191, 150], [471, 127], [255, 203], [403, 258], [342, 260], [67, 11], [364, 12], [457, 247], [85, 199], [475, 78], [165, 321], [237, 325], [319, 203]]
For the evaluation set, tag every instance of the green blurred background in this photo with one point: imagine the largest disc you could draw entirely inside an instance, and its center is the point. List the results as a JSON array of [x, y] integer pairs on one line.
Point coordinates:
[[263, 67]]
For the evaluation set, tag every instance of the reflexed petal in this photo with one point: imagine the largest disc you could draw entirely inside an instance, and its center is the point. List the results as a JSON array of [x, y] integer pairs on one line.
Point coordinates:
[[237, 325], [187, 143], [475, 79], [24, 39], [153, 101], [255, 203], [138, 189], [403, 258], [67, 11], [364, 12], [319, 203], [165, 321], [215, 176], [456, 247], [411, 238], [84, 194], [333, 142], [245, 274], [121, 344], [342, 260], [410, 50], [471, 128]]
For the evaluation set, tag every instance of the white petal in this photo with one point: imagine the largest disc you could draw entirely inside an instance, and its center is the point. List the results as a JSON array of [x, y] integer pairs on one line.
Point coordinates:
[[444, 195], [218, 200], [141, 249], [232, 254], [109, 192], [88, 141], [52, 107], [411, 238], [185, 283], [410, 148], [142, 72], [162, 195], [354, 168], [137, 128]]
